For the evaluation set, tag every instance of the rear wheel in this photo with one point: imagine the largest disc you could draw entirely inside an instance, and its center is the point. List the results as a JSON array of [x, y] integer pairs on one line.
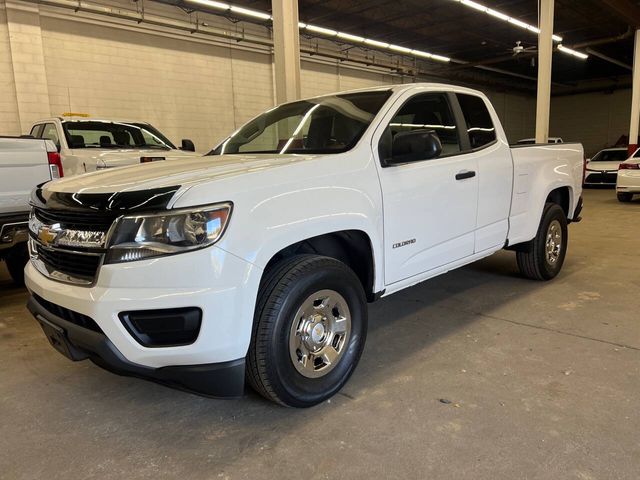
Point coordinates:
[[544, 258], [16, 260], [310, 327], [625, 197]]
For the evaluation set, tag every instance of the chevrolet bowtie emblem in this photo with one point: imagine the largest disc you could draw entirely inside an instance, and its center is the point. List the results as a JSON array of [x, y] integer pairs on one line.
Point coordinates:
[[47, 236]]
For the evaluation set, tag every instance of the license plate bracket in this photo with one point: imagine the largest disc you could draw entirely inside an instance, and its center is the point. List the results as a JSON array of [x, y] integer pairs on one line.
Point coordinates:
[[58, 339]]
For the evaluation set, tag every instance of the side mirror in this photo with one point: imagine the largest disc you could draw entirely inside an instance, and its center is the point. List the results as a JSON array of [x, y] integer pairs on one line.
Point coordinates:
[[188, 145], [414, 146]]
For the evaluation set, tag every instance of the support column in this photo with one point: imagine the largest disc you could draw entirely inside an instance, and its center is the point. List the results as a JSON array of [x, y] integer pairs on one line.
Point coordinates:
[[286, 46], [27, 61], [635, 97], [545, 54]]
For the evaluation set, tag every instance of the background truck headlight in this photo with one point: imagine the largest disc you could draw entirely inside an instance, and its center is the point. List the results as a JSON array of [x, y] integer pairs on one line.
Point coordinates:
[[138, 237]]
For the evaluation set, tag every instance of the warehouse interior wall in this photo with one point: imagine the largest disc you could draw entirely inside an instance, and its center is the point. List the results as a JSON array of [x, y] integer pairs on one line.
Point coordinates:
[[597, 120], [190, 88]]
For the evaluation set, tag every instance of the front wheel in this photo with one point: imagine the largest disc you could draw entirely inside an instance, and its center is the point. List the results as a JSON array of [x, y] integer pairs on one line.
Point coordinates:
[[545, 255], [309, 331], [625, 197]]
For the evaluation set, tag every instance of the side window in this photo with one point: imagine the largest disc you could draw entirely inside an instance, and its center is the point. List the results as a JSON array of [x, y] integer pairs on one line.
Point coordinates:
[[36, 131], [50, 133], [428, 113], [478, 120]]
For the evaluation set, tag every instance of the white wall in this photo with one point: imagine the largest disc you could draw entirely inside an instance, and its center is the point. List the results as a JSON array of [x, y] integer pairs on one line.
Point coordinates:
[[597, 120], [9, 122]]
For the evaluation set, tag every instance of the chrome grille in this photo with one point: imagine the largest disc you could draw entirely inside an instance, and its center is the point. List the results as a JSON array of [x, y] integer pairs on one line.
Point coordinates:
[[69, 246], [74, 264], [76, 220]]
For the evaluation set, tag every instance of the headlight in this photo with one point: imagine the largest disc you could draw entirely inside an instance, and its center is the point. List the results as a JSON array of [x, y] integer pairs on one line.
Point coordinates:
[[138, 237]]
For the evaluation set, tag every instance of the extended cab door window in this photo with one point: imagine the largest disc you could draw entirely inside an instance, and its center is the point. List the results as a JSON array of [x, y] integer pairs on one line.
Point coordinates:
[[478, 121], [429, 188], [50, 133]]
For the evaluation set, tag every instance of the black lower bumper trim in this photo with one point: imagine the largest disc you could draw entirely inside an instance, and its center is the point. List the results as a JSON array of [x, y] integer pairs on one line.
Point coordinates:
[[220, 380]]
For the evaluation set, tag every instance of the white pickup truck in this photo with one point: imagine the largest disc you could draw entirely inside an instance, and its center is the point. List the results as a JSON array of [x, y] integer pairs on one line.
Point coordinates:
[[257, 262], [24, 163], [90, 144]]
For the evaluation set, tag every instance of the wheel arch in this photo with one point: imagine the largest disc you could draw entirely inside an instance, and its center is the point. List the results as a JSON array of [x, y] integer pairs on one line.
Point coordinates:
[[352, 247]]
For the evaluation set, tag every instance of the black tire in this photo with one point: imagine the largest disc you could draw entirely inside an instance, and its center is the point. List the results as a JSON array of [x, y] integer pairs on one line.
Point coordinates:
[[16, 260], [284, 288], [533, 262], [625, 197]]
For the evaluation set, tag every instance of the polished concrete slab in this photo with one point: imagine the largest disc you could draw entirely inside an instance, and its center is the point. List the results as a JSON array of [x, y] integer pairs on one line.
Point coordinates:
[[476, 374]]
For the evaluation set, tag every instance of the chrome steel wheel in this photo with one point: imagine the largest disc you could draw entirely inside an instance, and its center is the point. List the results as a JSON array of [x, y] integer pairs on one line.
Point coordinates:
[[553, 245], [319, 333]]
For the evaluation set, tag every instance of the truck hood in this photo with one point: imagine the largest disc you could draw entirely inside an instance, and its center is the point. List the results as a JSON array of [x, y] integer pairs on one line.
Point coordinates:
[[109, 158], [185, 172]]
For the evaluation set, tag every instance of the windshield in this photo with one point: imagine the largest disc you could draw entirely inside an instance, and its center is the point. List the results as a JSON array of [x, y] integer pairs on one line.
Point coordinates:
[[330, 124], [96, 134], [610, 156]]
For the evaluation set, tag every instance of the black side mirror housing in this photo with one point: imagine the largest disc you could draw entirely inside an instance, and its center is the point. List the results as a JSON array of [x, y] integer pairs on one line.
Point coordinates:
[[188, 145], [413, 146]]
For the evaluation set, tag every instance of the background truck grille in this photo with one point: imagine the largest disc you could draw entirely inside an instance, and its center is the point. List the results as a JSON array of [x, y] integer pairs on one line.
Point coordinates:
[[77, 220], [70, 263]]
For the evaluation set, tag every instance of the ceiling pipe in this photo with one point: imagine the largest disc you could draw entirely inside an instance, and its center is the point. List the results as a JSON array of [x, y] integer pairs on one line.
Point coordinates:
[[606, 58], [602, 41]]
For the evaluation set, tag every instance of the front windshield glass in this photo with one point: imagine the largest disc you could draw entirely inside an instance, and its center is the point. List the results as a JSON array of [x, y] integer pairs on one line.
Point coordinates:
[[96, 134], [330, 124], [610, 156]]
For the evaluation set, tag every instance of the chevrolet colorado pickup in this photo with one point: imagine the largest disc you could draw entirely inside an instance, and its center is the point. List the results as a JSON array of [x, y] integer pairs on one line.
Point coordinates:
[[257, 261], [24, 163]]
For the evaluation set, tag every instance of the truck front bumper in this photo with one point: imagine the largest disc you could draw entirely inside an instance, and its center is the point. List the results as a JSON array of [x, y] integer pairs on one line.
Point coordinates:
[[89, 323], [225, 379]]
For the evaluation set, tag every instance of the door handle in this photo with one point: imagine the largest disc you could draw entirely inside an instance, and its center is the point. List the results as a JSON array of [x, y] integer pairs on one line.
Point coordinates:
[[465, 174]]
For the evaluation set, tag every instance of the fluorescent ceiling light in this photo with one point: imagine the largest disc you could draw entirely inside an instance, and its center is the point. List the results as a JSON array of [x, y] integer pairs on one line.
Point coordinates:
[[504, 17], [580, 55], [250, 13], [348, 37], [440, 58], [399, 48], [376, 43], [322, 30], [212, 4], [475, 5]]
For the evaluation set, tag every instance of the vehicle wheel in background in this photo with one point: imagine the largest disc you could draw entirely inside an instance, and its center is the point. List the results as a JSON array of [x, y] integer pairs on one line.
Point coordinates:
[[544, 259], [310, 327], [625, 197], [16, 260]]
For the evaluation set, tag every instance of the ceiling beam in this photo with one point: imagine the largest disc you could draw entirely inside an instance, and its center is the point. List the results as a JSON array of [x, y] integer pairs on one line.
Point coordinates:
[[627, 10]]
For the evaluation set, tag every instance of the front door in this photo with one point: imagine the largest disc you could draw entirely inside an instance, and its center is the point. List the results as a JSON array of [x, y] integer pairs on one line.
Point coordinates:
[[430, 205]]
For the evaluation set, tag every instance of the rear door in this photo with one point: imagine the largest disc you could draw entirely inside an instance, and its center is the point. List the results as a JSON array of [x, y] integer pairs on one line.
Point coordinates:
[[495, 171], [430, 206]]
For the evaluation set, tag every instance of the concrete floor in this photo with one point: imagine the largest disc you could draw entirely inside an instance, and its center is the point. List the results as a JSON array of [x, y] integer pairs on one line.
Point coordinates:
[[543, 380]]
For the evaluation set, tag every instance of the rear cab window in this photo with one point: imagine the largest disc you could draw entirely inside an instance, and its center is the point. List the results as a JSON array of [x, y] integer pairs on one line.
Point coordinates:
[[480, 127]]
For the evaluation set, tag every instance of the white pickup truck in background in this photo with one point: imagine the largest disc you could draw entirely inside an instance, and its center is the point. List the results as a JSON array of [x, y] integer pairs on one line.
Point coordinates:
[[258, 261], [24, 164], [88, 144]]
